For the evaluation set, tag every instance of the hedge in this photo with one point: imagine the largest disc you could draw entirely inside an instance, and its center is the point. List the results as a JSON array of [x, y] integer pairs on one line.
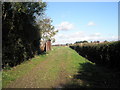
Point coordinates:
[[106, 54]]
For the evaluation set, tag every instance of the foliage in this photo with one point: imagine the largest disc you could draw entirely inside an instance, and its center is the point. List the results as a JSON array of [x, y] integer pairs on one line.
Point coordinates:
[[20, 31], [81, 42], [47, 30], [106, 54]]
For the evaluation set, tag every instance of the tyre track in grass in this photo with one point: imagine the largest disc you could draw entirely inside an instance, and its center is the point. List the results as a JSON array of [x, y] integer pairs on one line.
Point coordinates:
[[50, 73], [65, 68]]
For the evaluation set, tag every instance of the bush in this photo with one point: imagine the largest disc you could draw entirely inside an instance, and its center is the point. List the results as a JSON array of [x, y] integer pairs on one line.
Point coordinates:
[[106, 54]]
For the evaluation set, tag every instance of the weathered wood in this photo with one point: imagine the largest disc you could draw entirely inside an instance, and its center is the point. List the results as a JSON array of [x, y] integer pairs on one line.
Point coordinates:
[[46, 46]]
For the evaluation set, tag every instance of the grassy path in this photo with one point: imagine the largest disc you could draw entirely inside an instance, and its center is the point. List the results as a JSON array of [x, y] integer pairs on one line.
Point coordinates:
[[61, 67]]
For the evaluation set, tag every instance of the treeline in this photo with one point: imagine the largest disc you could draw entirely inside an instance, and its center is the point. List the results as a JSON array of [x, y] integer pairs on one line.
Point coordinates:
[[77, 42], [106, 54], [21, 32]]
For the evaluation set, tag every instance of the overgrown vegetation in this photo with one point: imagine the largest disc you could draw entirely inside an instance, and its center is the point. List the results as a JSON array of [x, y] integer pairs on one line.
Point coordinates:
[[106, 54], [21, 34]]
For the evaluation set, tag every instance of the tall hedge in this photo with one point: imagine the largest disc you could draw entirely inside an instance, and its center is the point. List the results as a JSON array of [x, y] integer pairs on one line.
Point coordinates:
[[20, 32], [106, 54]]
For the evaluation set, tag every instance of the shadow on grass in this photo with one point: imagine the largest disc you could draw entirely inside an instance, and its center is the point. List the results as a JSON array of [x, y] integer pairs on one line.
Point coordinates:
[[92, 76]]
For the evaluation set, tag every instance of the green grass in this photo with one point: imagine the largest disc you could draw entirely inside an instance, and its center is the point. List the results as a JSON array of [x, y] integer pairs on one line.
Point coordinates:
[[57, 65], [88, 74], [0, 79], [14, 73], [20, 70]]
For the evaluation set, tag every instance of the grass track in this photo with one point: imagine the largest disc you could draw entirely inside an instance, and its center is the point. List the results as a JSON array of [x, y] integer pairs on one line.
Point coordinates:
[[61, 67]]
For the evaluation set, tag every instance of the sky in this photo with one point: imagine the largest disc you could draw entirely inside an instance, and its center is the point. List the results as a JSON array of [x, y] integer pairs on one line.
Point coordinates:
[[78, 21]]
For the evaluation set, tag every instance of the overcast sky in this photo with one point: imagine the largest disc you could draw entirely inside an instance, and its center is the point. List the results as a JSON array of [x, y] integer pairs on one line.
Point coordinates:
[[89, 21]]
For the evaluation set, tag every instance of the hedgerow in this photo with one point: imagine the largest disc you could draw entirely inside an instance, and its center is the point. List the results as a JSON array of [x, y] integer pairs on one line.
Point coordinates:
[[106, 54]]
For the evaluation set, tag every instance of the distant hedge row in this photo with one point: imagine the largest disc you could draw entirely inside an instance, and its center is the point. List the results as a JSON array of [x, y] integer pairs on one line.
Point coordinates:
[[107, 54]]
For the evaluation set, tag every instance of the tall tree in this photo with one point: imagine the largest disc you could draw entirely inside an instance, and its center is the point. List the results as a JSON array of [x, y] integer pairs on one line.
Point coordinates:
[[20, 31], [47, 29]]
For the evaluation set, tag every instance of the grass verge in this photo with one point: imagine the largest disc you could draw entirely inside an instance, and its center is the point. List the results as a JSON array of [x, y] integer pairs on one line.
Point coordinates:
[[11, 75]]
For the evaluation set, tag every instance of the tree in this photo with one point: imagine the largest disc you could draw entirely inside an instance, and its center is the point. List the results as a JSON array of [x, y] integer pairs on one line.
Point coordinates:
[[85, 41], [81, 42], [105, 41], [47, 30], [20, 32]]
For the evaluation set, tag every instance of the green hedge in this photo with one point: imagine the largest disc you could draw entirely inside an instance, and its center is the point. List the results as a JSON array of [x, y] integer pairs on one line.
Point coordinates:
[[20, 32], [106, 54]]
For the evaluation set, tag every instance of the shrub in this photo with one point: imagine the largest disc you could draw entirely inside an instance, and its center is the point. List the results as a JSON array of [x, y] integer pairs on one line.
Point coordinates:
[[106, 54]]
